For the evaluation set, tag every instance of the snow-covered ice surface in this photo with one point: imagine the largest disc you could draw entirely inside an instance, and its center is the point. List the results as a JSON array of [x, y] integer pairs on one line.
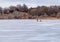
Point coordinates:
[[29, 31]]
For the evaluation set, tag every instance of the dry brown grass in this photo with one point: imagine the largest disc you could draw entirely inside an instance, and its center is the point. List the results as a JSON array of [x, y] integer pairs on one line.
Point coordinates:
[[23, 15]]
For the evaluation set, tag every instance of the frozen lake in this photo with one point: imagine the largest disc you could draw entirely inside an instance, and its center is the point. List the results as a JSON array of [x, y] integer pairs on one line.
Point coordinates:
[[29, 31]]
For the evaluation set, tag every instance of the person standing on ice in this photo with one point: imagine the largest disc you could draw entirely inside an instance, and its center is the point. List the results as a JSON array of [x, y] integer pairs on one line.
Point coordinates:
[[40, 20]]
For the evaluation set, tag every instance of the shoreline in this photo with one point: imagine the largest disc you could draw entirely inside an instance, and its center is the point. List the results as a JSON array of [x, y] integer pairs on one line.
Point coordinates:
[[29, 19]]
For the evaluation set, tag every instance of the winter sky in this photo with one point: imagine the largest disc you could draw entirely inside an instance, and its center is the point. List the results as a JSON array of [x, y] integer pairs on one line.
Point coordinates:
[[30, 3]]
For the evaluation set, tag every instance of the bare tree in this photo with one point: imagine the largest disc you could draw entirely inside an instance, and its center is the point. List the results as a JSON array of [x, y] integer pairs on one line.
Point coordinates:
[[25, 8], [12, 9], [6, 11], [19, 8], [0, 10]]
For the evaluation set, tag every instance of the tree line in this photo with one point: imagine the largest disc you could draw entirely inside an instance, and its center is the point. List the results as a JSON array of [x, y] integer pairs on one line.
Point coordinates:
[[11, 9], [22, 11]]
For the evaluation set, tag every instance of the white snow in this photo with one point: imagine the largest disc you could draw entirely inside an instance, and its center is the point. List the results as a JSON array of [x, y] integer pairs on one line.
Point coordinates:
[[29, 31]]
